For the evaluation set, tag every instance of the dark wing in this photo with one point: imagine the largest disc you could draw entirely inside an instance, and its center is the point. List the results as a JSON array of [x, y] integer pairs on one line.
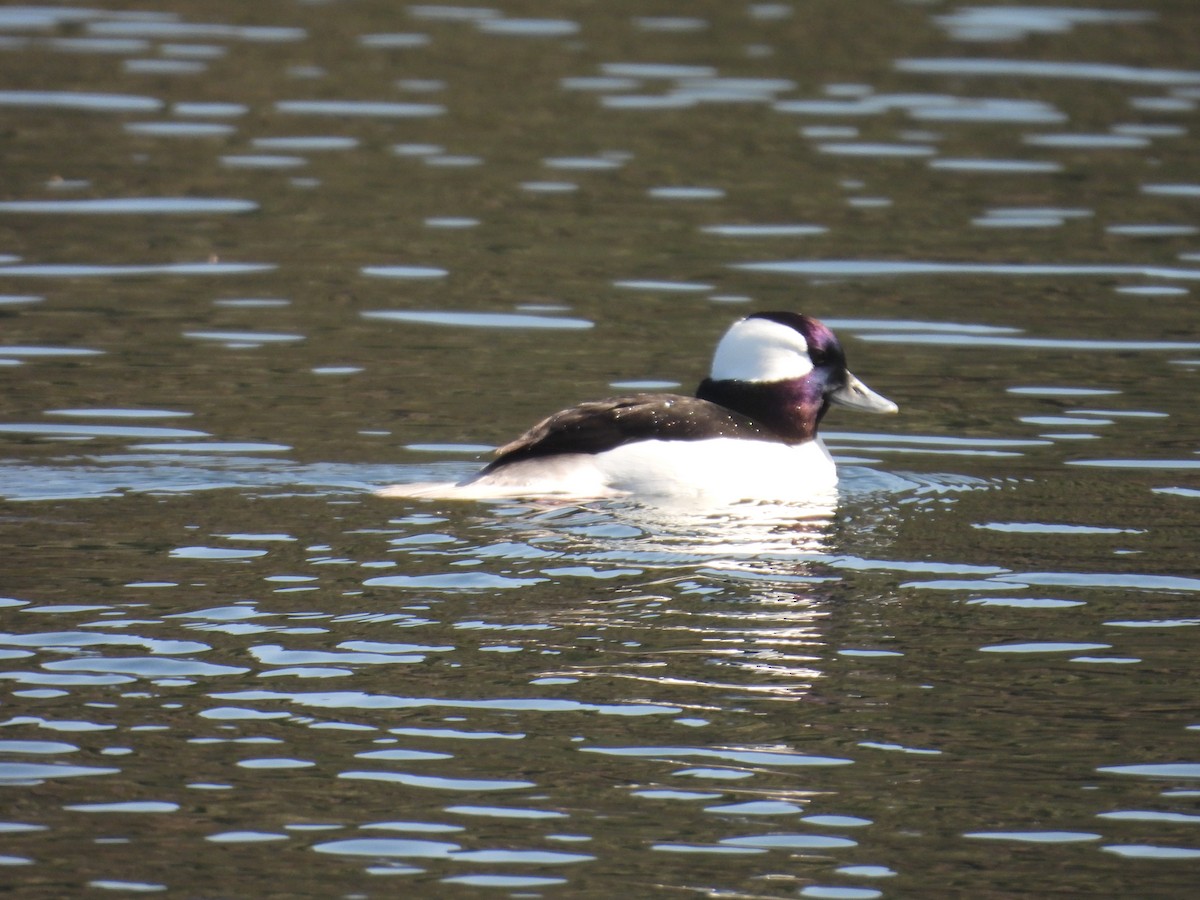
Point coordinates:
[[604, 424]]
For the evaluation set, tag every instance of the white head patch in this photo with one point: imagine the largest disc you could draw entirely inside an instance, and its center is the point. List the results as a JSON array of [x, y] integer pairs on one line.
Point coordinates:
[[761, 350]]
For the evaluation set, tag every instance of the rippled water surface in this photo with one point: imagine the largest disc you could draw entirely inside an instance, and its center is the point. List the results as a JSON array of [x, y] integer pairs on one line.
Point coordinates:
[[259, 259]]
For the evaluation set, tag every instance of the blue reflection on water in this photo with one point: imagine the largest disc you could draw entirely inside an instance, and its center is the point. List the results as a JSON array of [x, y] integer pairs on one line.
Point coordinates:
[[479, 319], [132, 206], [76, 100]]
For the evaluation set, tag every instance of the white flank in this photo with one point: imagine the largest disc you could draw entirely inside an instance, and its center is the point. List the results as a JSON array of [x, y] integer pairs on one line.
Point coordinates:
[[711, 471], [761, 350]]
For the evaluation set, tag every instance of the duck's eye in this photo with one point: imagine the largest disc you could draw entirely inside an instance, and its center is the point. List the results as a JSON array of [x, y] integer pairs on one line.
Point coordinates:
[[818, 356]]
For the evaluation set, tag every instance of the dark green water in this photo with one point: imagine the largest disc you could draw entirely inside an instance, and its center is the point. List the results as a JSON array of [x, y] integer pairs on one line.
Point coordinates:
[[231, 671]]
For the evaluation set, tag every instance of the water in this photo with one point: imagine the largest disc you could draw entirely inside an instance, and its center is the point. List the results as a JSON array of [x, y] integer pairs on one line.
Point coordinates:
[[256, 263]]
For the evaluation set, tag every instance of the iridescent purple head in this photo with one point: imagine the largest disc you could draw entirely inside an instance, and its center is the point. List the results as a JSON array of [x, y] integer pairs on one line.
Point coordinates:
[[785, 369]]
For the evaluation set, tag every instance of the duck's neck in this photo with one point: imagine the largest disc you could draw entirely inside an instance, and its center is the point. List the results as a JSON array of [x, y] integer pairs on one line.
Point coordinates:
[[791, 409]]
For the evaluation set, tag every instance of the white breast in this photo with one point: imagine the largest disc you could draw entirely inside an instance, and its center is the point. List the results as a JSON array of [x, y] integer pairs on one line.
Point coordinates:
[[712, 471], [719, 470]]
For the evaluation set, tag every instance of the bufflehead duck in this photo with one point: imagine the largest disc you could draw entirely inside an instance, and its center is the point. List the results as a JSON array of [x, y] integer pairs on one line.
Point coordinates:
[[749, 433]]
